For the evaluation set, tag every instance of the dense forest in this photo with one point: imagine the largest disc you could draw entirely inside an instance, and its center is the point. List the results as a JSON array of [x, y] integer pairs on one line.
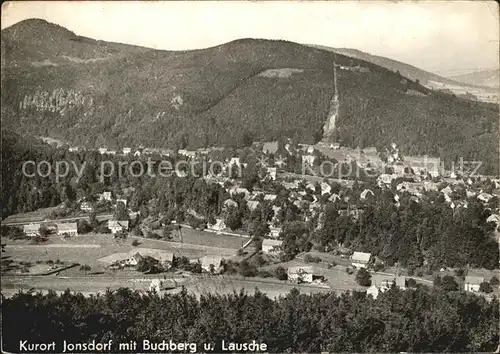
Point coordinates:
[[205, 97], [419, 320]]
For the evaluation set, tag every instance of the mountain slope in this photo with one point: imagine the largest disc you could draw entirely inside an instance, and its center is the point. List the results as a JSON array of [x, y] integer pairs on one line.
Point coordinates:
[[40, 43], [489, 78], [406, 70], [232, 94]]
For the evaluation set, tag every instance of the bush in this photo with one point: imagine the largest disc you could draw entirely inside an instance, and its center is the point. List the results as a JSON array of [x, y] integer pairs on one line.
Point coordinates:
[[378, 267], [459, 272], [485, 287], [135, 243], [349, 270], [494, 281], [420, 274], [411, 271], [246, 269], [280, 273], [264, 274], [412, 283], [103, 229], [363, 277], [230, 267], [448, 283]]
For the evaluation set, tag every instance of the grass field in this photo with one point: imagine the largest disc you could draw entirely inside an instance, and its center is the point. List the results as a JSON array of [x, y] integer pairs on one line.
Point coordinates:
[[88, 249], [228, 284]]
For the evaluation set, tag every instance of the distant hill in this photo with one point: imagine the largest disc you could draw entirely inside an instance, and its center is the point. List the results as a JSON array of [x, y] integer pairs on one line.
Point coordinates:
[[40, 43], [489, 78], [409, 71], [232, 94]]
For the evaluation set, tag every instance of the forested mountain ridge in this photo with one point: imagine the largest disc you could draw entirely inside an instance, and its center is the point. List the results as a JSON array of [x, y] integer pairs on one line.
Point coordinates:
[[36, 42], [229, 95]]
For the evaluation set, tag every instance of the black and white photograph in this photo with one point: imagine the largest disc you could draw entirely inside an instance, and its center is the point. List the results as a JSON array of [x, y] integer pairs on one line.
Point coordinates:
[[250, 176]]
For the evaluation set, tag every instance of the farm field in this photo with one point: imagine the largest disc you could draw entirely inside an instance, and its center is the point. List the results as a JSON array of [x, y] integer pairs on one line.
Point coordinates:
[[211, 239], [89, 249]]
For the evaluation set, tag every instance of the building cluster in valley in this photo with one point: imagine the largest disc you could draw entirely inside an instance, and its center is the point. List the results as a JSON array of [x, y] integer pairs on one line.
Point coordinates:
[[413, 176]]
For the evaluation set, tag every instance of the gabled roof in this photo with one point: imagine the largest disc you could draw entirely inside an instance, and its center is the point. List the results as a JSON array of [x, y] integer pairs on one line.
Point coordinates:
[[31, 227], [252, 205], [400, 282], [270, 197], [271, 242], [233, 191], [69, 226], [493, 218], [206, 261], [230, 202], [473, 280], [361, 256], [447, 190], [334, 197], [116, 224], [137, 256], [484, 196], [301, 269]]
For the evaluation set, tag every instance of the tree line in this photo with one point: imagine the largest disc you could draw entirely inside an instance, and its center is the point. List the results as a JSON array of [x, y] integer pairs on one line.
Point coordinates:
[[419, 320]]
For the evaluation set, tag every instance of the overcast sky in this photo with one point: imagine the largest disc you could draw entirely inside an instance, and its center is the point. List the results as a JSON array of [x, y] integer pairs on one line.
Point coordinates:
[[444, 37]]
